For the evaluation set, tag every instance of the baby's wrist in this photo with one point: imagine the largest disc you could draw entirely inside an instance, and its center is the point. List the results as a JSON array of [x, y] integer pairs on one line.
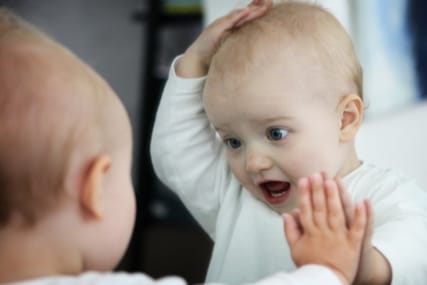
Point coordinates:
[[381, 269], [190, 66], [377, 269], [341, 277]]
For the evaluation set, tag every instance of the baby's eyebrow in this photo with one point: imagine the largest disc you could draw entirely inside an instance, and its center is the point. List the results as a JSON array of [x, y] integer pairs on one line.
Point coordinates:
[[274, 119], [219, 129], [222, 126]]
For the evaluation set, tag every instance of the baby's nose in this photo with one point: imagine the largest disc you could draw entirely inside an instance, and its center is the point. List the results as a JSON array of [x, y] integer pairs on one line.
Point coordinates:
[[257, 161]]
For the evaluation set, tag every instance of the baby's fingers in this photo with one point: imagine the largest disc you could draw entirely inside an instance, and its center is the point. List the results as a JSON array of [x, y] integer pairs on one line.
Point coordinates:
[[359, 224], [319, 202], [257, 9], [347, 204], [292, 231], [336, 219], [306, 209], [231, 20]]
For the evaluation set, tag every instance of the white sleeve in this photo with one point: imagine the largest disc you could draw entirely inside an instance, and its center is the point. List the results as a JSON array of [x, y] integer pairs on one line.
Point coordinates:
[[98, 278], [305, 275], [186, 153], [400, 232]]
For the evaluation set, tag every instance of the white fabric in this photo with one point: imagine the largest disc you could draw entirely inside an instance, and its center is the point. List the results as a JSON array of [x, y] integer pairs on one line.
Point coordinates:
[[248, 236], [94, 278], [306, 275]]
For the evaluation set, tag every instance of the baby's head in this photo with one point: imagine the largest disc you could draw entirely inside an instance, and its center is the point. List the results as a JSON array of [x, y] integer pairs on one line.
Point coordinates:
[[65, 149], [284, 92]]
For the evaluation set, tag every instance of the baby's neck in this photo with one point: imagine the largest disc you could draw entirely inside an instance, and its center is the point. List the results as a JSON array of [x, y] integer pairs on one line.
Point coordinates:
[[351, 163], [29, 253]]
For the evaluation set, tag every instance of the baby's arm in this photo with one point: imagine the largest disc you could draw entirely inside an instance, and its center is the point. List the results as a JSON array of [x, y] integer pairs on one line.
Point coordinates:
[[374, 267], [186, 154], [320, 234]]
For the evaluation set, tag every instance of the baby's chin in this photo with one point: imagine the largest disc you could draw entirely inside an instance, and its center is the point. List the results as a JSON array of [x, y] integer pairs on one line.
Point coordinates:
[[285, 208], [280, 209]]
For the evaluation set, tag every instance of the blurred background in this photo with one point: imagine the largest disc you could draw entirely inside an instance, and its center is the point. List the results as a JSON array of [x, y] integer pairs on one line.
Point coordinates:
[[131, 43]]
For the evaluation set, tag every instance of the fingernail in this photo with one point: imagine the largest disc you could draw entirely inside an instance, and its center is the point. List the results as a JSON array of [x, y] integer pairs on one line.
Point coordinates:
[[317, 176], [303, 181]]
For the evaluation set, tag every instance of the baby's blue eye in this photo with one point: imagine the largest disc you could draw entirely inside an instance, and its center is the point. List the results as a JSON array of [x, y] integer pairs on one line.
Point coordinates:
[[233, 143], [276, 134]]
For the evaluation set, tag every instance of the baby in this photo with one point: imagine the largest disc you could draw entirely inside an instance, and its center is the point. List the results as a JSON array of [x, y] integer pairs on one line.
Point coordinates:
[[66, 197], [67, 204], [282, 99]]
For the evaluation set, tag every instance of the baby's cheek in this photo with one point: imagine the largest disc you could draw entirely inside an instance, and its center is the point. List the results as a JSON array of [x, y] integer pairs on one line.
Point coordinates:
[[307, 164], [235, 164], [239, 172], [298, 167]]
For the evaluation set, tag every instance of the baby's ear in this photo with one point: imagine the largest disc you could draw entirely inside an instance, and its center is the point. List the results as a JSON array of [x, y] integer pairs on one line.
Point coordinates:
[[91, 196], [350, 111]]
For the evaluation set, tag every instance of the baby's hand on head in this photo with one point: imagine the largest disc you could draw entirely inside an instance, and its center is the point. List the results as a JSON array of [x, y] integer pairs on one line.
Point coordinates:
[[197, 58], [320, 234]]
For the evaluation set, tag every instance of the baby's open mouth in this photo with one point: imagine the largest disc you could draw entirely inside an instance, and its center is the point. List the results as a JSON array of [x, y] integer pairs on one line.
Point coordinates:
[[275, 191]]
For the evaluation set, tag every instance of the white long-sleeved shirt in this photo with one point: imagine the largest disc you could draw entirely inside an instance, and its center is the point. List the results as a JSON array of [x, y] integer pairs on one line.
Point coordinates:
[[306, 275], [248, 236]]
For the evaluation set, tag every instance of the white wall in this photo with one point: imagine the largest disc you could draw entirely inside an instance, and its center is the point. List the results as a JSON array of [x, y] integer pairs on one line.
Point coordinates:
[[397, 141]]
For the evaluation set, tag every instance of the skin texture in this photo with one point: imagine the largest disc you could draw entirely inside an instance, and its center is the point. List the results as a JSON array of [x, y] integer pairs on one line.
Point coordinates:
[[310, 128], [88, 223], [281, 108], [321, 226]]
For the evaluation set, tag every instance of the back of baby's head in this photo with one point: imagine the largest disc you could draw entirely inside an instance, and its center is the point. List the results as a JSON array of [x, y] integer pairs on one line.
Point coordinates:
[[293, 31], [47, 120]]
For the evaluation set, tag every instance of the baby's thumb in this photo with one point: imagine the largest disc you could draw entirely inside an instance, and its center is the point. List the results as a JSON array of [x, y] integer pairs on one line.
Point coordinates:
[[292, 232]]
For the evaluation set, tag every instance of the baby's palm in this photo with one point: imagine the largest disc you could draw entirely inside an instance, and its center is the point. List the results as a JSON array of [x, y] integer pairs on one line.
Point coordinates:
[[319, 234], [335, 250]]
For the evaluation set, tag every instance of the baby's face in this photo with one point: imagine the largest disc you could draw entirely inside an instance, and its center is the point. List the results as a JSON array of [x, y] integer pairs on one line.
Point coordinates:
[[277, 129]]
